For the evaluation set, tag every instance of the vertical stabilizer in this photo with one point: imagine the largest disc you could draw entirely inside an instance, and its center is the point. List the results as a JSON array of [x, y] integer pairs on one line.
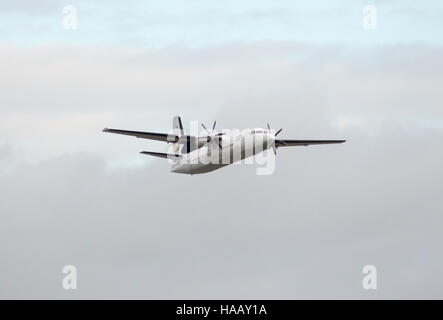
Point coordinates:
[[177, 128], [177, 125]]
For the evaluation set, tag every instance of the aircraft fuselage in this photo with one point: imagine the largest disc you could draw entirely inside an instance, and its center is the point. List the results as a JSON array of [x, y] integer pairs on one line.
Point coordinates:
[[234, 148]]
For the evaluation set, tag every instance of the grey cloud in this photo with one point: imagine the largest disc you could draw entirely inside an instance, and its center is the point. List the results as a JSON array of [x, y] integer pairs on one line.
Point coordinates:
[[141, 232], [5, 152], [304, 232], [367, 82]]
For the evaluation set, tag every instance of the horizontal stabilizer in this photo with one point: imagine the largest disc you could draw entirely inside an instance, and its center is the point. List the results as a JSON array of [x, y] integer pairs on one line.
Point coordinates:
[[162, 155]]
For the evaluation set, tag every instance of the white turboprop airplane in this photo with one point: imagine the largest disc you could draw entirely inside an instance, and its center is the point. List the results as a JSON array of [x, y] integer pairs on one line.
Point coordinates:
[[201, 154]]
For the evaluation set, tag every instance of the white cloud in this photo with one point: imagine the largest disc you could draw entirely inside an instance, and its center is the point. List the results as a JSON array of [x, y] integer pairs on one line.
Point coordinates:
[[57, 99]]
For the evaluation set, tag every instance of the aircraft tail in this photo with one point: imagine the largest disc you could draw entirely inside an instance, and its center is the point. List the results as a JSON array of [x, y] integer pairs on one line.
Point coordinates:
[[177, 127]]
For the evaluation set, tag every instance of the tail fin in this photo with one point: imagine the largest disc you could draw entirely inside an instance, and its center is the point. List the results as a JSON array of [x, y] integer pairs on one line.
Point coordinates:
[[178, 126]]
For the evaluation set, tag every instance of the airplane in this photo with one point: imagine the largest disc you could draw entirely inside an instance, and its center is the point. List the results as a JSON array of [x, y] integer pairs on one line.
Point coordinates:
[[202, 154]]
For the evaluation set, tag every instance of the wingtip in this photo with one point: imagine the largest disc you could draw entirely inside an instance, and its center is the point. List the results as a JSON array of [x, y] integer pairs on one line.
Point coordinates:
[[105, 130]]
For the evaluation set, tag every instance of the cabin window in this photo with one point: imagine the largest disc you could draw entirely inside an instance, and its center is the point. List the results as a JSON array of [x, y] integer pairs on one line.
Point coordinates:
[[258, 131]]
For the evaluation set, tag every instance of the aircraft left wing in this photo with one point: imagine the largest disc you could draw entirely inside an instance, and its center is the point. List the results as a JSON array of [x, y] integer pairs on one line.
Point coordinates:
[[146, 135], [290, 143]]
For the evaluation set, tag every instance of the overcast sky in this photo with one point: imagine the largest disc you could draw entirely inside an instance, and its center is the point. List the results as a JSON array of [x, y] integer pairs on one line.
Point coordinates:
[[70, 194]]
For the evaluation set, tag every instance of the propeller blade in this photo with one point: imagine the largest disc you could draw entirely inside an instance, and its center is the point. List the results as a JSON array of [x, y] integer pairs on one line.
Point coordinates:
[[278, 132], [218, 140], [204, 127], [269, 127], [275, 150], [213, 127]]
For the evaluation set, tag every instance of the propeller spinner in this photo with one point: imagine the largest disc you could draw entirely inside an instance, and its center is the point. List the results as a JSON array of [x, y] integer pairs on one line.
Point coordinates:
[[269, 131]]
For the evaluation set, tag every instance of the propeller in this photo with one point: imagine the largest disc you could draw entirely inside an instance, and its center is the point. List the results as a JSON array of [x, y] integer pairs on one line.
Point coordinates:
[[211, 137], [269, 131]]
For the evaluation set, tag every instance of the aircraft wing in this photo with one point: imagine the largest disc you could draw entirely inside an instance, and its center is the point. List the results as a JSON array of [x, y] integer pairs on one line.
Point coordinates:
[[146, 135], [290, 143]]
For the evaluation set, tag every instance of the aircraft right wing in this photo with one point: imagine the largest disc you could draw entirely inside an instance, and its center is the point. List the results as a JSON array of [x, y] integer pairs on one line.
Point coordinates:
[[146, 135], [290, 143]]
